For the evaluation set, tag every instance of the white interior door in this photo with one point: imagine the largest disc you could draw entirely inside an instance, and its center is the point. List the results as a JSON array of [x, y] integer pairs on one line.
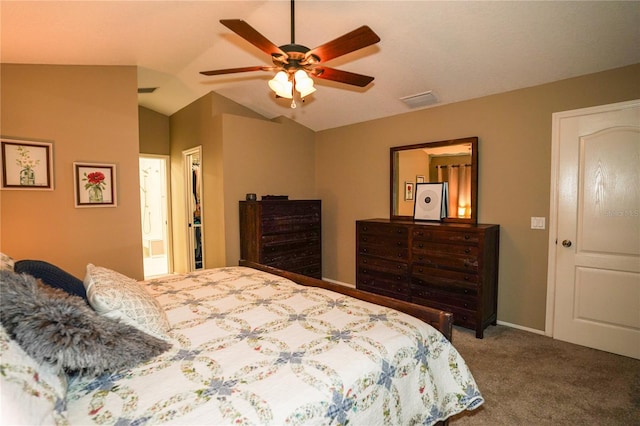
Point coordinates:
[[594, 249]]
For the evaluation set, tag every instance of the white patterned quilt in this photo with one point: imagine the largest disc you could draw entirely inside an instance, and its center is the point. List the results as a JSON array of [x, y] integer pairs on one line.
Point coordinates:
[[253, 348]]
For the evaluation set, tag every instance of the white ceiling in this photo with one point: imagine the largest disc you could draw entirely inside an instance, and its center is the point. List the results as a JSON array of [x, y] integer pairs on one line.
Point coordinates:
[[457, 49]]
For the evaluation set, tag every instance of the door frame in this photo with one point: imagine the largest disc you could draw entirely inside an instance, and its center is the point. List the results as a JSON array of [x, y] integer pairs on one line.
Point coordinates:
[[553, 205], [186, 154], [169, 225]]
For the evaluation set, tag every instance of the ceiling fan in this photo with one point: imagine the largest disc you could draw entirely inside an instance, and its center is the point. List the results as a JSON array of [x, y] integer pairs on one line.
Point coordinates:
[[295, 63]]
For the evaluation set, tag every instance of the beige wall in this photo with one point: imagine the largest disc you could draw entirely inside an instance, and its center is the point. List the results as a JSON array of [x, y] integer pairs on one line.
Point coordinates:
[[514, 130], [265, 158], [241, 152], [154, 132], [190, 127], [90, 113]]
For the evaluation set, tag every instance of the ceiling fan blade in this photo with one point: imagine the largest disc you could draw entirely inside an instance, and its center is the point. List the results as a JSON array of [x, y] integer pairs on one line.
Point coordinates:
[[350, 42], [234, 70], [342, 76], [248, 33]]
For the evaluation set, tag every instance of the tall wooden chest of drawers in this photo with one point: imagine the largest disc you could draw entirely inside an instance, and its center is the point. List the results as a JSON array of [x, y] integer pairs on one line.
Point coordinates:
[[285, 234], [448, 266]]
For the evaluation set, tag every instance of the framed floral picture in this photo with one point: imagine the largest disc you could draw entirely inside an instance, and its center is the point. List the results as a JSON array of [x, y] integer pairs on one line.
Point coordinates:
[[408, 191], [26, 164], [95, 185]]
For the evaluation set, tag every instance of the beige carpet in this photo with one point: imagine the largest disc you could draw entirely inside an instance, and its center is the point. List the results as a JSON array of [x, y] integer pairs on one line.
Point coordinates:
[[529, 379]]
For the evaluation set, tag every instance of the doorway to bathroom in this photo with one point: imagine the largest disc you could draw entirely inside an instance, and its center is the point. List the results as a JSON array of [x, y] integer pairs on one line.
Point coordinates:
[[154, 209]]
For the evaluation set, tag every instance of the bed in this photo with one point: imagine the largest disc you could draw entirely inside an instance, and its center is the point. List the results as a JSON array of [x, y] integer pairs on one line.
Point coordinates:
[[255, 345]]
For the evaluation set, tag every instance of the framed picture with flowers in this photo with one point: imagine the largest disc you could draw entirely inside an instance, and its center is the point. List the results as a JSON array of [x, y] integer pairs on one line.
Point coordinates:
[[26, 164], [408, 191], [95, 184]]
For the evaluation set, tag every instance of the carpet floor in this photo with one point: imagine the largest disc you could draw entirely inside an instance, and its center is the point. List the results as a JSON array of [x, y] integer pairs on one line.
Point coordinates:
[[530, 379]]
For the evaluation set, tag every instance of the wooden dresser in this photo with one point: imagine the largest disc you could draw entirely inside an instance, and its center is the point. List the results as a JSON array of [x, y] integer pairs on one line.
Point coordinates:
[[449, 266], [285, 234]]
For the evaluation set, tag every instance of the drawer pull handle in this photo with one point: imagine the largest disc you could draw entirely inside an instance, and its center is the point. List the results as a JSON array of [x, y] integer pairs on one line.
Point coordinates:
[[399, 266], [466, 278], [364, 250], [421, 245], [466, 237], [467, 251], [365, 261], [365, 239], [365, 228]]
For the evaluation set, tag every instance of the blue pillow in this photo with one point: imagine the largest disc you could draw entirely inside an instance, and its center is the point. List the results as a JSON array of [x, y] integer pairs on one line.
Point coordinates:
[[52, 276]]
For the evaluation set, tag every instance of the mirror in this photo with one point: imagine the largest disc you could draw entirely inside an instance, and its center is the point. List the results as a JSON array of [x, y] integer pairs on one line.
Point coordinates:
[[453, 161]]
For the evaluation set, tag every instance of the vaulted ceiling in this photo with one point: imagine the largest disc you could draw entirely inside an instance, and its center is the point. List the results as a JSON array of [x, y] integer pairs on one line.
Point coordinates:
[[458, 50]]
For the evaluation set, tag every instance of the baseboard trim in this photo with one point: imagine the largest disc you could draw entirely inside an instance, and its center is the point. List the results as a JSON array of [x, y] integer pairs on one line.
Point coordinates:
[[519, 327]]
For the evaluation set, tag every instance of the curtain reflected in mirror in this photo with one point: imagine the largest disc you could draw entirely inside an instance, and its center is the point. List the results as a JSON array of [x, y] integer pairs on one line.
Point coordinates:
[[459, 178]]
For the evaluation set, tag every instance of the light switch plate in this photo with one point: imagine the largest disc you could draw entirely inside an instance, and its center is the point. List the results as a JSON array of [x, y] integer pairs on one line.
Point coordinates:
[[537, 223]]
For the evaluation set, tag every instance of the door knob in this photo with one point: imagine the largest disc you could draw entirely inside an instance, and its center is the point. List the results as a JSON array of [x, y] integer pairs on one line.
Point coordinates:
[[566, 243]]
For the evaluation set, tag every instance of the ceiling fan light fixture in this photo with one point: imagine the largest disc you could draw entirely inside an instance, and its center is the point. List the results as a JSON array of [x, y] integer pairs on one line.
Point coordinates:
[[304, 83], [281, 85], [306, 91]]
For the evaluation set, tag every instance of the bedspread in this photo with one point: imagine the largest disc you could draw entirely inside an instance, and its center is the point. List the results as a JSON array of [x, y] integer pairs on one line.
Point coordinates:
[[254, 348]]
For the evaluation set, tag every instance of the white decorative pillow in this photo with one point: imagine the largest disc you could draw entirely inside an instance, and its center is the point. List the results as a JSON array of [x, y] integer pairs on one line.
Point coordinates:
[[6, 263], [32, 393], [117, 296]]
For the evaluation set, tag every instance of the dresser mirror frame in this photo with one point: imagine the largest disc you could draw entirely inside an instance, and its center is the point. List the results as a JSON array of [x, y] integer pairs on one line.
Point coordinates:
[[439, 148]]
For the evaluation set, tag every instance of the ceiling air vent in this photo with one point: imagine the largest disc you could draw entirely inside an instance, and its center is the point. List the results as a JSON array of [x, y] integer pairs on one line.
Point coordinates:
[[420, 99], [147, 89]]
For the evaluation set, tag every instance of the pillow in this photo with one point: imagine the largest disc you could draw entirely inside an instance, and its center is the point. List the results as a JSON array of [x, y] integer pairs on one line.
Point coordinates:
[[6, 262], [32, 393], [53, 276], [55, 327], [119, 297]]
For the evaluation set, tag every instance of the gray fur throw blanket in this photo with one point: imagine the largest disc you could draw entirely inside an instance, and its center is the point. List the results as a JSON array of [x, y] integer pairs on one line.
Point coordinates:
[[57, 328]]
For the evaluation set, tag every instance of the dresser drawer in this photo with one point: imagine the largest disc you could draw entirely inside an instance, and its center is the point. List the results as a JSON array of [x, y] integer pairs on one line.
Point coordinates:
[[443, 236], [462, 317], [284, 209], [440, 295], [311, 237], [277, 225], [442, 260], [291, 252], [372, 228], [387, 285], [438, 278], [368, 264], [397, 253], [298, 264]]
